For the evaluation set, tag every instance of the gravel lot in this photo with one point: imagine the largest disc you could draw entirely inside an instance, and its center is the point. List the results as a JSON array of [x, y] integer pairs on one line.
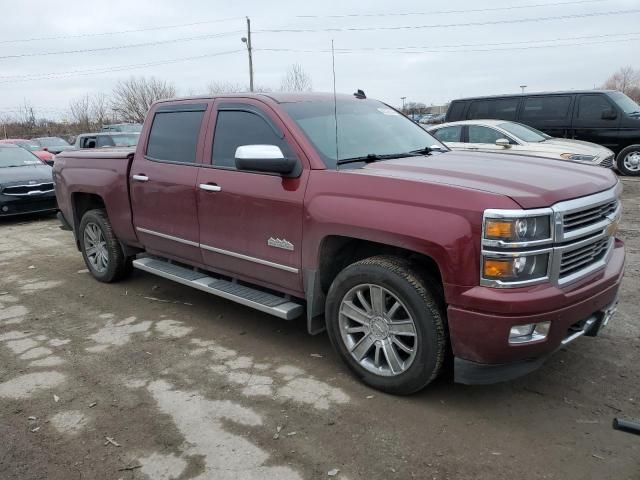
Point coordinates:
[[150, 379]]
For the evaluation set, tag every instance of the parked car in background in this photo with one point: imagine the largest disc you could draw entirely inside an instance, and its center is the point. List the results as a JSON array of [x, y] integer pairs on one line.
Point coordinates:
[[123, 127], [26, 185], [33, 147], [105, 139], [409, 256], [606, 117], [54, 145], [497, 136]]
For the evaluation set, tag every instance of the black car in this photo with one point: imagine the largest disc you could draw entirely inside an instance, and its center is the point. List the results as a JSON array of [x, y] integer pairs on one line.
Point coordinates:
[[605, 117], [26, 185]]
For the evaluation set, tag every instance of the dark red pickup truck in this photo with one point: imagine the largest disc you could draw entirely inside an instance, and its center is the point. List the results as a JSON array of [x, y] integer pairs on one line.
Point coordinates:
[[408, 254]]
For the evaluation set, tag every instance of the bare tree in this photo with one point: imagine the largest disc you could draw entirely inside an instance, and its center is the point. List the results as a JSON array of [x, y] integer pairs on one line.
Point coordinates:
[[216, 88], [133, 97], [296, 80], [80, 112], [27, 116], [100, 109], [626, 80]]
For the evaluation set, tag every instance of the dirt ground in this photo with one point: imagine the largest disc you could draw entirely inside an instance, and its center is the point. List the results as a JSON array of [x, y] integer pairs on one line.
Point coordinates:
[[150, 379]]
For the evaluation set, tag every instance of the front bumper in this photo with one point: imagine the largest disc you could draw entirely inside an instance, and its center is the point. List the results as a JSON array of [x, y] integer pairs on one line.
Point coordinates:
[[480, 340], [11, 205]]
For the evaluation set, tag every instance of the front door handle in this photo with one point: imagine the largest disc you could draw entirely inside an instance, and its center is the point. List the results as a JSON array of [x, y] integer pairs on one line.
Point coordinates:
[[210, 187], [140, 178]]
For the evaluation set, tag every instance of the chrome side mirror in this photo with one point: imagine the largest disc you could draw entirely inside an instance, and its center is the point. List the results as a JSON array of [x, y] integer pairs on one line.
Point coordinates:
[[503, 142], [264, 158]]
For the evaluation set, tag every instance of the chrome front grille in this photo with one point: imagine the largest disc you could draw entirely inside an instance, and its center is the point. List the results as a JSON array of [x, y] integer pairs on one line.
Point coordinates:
[[31, 189], [589, 216], [573, 261], [607, 162]]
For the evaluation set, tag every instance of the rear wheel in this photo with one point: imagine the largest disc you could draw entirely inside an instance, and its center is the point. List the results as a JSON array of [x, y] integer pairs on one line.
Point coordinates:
[[384, 321], [101, 250], [628, 160]]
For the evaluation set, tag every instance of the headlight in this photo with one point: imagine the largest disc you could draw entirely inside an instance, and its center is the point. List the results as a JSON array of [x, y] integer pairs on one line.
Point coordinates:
[[525, 229], [578, 157], [497, 267]]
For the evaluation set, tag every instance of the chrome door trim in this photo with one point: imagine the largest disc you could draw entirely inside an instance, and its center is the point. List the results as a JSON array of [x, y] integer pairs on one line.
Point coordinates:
[[250, 259], [140, 178], [229, 253], [168, 237]]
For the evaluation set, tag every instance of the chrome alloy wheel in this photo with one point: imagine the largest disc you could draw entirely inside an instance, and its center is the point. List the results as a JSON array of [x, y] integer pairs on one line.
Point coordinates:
[[378, 330], [95, 247], [632, 161]]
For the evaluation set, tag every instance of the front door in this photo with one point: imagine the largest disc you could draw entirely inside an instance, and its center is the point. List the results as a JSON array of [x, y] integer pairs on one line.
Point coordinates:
[[163, 182], [483, 139], [589, 124], [251, 223]]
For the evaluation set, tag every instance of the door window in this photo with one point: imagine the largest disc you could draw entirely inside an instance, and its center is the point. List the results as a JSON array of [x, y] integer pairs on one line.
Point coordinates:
[[498, 108], [235, 128], [104, 141], [591, 107], [478, 134], [455, 111], [546, 108], [448, 134], [174, 136]]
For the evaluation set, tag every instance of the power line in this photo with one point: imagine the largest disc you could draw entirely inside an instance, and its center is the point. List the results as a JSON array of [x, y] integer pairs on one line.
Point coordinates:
[[462, 45], [403, 49], [115, 68], [118, 32], [468, 24], [121, 47], [440, 12]]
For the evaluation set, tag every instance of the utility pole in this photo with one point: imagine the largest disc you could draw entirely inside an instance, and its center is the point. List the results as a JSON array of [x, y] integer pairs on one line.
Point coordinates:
[[247, 40], [403, 99]]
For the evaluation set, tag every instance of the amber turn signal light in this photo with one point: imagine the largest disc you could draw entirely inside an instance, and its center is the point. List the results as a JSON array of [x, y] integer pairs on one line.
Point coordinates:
[[497, 268], [499, 229]]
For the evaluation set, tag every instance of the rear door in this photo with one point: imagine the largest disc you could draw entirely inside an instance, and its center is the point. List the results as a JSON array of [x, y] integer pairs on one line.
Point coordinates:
[[589, 124], [251, 223], [451, 136], [548, 113], [163, 181]]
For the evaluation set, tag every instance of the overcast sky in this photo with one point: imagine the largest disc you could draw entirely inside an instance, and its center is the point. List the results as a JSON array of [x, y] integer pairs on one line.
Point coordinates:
[[569, 45]]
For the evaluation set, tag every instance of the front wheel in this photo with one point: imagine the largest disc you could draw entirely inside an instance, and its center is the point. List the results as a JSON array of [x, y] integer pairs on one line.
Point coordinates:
[[101, 250], [628, 160], [385, 323]]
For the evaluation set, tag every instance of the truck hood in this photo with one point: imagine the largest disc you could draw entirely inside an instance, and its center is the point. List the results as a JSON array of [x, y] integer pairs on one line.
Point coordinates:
[[532, 182], [37, 173]]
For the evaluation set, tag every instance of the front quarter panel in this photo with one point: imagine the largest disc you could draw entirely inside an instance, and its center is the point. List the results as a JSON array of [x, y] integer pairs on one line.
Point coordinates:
[[441, 221]]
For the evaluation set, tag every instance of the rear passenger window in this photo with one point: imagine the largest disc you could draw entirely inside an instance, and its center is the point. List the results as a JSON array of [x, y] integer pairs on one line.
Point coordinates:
[[455, 111], [498, 108], [448, 134], [546, 108], [235, 128], [478, 134], [591, 107], [174, 136]]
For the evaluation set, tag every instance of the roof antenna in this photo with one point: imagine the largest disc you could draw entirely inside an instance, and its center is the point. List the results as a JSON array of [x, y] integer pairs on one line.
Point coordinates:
[[360, 94], [335, 101]]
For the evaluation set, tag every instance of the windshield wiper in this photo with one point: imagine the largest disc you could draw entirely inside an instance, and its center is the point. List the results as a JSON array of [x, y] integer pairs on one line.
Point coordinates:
[[374, 157], [428, 150]]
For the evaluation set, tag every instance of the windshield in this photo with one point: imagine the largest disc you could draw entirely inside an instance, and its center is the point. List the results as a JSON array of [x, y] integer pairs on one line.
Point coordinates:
[[365, 127], [125, 140], [625, 103], [52, 142], [123, 127], [523, 132], [32, 147], [17, 157]]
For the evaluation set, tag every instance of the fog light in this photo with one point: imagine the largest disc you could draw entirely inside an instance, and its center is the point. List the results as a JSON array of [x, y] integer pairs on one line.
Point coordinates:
[[530, 332], [5, 209]]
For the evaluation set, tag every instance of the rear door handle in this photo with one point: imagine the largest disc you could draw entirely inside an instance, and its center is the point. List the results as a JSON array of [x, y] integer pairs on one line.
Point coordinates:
[[140, 178], [210, 187]]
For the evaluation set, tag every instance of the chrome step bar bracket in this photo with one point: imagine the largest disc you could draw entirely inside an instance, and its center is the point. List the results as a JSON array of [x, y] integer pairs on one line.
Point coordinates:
[[251, 297]]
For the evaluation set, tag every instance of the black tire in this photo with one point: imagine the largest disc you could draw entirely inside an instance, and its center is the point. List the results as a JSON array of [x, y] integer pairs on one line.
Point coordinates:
[[118, 265], [621, 157], [421, 299]]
